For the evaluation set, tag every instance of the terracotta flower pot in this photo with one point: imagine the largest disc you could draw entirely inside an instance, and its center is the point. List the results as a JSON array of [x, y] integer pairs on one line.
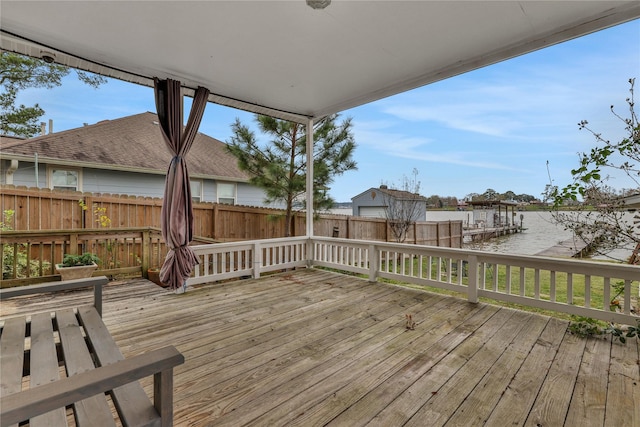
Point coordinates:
[[154, 275]]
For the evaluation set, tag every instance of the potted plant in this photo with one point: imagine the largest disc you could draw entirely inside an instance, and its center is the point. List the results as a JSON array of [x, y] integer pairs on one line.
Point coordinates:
[[153, 274], [77, 266]]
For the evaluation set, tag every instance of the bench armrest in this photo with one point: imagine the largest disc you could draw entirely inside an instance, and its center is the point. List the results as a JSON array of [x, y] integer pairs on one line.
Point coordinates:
[[96, 282], [26, 404]]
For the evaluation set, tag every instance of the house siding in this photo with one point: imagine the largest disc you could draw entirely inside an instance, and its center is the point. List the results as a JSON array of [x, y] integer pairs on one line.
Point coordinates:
[[253, 196], [25, 174], [124, 156], [374, 198], [130, 183], [120, 182], [371, 198]]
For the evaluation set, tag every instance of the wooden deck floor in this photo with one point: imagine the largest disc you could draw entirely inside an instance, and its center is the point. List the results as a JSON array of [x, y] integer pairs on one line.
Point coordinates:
[[313, 348]]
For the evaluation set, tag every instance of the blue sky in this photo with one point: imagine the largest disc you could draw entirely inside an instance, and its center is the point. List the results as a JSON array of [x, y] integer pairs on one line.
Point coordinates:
[[495, 127]]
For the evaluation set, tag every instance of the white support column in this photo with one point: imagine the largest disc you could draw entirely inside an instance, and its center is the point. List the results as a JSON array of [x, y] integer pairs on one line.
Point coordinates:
[[310, 178]]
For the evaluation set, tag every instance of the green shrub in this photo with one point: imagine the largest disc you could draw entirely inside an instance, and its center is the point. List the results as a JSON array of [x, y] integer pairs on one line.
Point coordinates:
[[86, 258], [15, 256]]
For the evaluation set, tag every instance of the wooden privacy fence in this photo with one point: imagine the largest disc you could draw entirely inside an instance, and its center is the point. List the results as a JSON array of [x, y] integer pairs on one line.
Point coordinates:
[[30, 256], [429, 233], [43, 209]]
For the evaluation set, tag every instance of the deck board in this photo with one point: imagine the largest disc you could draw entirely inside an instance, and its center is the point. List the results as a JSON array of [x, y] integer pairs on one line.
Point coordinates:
[[590, 393], [518, 398], [312, 347]]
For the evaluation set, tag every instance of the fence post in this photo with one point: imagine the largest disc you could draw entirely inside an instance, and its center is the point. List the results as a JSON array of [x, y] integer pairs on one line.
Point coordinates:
[[73, 242], [472, 286], [83, 213], [374, 262], [214, 220]]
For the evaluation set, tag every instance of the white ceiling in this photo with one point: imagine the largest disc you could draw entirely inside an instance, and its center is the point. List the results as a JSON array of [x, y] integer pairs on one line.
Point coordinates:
[[285, 59]]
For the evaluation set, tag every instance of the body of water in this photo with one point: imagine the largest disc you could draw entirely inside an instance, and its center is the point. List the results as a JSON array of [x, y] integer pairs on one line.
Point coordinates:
[[540, 234]]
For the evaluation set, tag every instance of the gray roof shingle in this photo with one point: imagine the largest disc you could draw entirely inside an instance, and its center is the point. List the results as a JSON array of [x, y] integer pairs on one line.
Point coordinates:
[[134, 141]]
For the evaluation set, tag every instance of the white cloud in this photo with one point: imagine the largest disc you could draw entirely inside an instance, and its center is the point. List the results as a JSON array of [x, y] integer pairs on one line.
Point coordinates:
[[373, 136]]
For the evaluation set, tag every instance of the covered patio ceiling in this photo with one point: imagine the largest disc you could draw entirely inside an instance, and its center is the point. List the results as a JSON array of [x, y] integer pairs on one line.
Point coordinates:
[[287, 60]]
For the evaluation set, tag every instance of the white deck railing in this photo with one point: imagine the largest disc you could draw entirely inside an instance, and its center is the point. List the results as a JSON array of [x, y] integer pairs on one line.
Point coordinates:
[[221, 261], [584, 288]]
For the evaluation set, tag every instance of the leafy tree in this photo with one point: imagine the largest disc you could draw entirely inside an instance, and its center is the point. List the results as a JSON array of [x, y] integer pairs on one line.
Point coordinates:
[[490, 194], [602, 214], [450, 201], [509, 195], [280, 168], [434, 201], [524, 198], [19, 72], [471, 197]]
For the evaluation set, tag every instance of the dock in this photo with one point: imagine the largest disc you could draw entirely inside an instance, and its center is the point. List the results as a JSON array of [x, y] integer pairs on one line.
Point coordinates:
[[484, 233], [491, 218], [570, 248]]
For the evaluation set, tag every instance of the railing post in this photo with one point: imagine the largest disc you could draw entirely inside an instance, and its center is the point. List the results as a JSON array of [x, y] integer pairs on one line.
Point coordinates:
[[472, 286], [73, 243], [311, 254], [145, 248], [374, 262], [257, 259]]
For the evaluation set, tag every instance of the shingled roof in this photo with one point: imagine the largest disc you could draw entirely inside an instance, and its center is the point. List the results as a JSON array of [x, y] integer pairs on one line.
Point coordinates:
[[400, 194], [133, 143]]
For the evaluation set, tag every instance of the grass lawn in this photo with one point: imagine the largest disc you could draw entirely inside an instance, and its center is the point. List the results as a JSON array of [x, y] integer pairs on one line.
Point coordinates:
[[566, 288]]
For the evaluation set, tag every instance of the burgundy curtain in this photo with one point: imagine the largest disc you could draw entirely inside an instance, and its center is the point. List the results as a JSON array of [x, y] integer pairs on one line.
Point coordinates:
[[177, 211]]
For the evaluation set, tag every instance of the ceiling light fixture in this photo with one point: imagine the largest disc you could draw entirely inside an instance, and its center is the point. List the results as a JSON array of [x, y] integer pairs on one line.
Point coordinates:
[[47, 56], [318, 4]]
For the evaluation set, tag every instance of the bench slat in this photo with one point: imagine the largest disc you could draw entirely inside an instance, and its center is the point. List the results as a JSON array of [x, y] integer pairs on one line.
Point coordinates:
[[131, 401], [44, 366], [92, 411], [20, 406], [48, 394], [12, 355]]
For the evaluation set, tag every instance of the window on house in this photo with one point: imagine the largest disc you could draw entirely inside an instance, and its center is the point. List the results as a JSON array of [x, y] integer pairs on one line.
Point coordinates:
[[196, 190], [227, 193], [64, 179]]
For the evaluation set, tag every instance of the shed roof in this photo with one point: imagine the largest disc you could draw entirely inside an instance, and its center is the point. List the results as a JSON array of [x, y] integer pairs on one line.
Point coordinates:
[[395, 194], [132, 143], [288, 60]]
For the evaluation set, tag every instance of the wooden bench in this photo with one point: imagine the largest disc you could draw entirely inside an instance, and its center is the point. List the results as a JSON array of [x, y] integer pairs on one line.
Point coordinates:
[[34, 347]]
